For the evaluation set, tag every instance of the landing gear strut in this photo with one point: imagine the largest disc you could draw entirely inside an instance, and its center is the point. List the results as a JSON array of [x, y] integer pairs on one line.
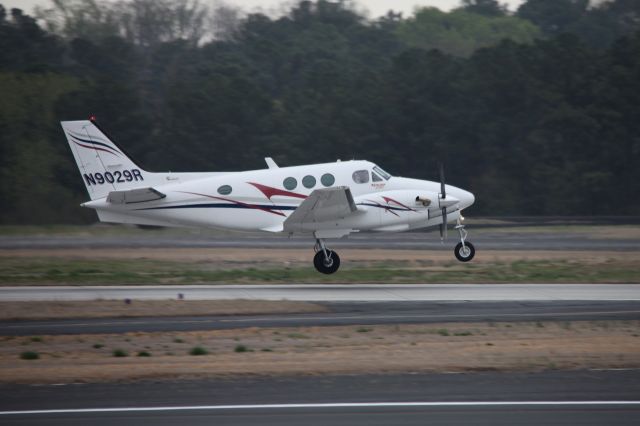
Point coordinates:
[[464, 250], [326, 261]]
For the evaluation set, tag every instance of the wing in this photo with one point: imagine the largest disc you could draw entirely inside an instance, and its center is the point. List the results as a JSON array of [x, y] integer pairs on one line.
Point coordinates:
[[139, 195], [322, 210]]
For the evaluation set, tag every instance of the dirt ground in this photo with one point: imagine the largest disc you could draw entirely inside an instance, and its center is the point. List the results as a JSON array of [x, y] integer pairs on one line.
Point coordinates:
[[323, 350]]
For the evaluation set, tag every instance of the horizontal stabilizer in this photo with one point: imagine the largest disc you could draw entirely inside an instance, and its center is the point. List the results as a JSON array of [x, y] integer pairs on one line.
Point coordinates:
[[132, 196]]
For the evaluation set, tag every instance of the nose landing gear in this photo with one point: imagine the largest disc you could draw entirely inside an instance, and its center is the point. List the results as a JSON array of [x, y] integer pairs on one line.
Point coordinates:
[[326, 261], [464, 250]]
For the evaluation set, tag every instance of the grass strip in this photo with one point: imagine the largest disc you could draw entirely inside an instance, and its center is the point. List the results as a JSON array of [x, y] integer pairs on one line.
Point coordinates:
[[50, 271]]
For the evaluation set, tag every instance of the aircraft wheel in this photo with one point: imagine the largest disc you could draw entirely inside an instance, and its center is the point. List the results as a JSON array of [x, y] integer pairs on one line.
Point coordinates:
[[466, 253], [326, 266]]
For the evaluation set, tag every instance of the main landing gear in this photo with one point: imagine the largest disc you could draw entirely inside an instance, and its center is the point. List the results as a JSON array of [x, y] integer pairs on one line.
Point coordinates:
[[464, 250], [326, 261]]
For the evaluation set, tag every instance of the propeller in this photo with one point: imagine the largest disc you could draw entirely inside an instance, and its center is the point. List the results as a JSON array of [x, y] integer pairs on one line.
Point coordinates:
[[443, 196]]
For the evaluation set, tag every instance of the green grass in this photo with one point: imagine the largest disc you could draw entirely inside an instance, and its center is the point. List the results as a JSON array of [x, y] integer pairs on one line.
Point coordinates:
[[22, 271], [198, 350], [29, 355], [240, 349]]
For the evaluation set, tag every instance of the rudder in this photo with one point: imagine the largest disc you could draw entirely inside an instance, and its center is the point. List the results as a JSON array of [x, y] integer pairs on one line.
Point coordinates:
[[103, 166]]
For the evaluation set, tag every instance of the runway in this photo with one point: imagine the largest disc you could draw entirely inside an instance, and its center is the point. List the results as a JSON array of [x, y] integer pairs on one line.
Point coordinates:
[[336, 292], [344, 313], [588, 397], [553, 398]]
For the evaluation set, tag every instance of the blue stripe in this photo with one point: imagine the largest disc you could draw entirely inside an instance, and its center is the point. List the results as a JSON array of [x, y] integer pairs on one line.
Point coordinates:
[[222, 205], [92, 142]]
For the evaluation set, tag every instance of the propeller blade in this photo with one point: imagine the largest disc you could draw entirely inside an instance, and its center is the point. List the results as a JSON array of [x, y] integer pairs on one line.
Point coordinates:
[[442, 188], [443, 195], [443, 227]]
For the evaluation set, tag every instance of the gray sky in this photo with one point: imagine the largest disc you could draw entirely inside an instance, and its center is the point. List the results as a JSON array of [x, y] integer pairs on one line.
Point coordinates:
[[375, 7]]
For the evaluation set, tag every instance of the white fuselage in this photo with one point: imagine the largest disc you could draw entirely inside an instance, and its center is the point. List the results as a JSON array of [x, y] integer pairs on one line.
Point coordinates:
[[263, 199]]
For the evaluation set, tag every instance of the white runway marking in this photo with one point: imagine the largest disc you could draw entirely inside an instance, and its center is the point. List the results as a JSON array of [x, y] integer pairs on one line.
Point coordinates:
[[328, 406], [335, 292]]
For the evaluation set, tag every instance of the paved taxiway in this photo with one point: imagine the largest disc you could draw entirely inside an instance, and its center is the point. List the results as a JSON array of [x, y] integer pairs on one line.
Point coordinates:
[[545, 239], [551, 398], [555, 240], [341, 314], [335, 292]]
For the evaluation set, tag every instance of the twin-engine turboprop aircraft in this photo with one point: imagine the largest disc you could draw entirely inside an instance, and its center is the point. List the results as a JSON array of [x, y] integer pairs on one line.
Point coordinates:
[[327, 200]]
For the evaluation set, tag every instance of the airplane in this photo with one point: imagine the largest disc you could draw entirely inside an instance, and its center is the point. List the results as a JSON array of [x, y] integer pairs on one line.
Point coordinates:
[[325, 201]]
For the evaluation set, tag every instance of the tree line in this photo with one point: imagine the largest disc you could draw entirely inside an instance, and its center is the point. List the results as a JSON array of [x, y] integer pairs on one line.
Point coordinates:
[[536, 111]]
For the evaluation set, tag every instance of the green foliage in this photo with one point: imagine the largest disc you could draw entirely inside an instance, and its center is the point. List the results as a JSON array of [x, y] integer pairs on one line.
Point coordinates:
[[198, 350], [119, 353], [240, 349], [529, 118], [29, 355], [461, 32]]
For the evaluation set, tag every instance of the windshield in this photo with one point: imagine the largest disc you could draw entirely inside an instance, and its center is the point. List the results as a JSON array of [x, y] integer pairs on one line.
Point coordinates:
[[382, 173]]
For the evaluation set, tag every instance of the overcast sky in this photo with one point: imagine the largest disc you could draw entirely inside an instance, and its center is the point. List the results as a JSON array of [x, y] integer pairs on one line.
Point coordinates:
[[375, 7]]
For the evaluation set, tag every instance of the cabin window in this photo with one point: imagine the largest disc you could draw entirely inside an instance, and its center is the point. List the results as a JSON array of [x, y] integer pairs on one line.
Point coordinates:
[[225, 190], [290, 183], [309, 181], [382, 173], [375, 177], [327, 179], [361, 176]]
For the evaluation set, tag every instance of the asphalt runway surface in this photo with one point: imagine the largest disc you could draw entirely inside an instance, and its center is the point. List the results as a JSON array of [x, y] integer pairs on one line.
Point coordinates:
[[487, 240], [341, 314], [487, 398]]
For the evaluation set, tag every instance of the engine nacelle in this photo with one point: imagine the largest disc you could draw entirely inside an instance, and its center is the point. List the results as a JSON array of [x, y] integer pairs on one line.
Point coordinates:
[[400, 200]]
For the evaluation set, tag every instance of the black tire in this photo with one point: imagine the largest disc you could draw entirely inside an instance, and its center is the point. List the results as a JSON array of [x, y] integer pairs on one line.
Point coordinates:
[[326, 267], [462, 255]]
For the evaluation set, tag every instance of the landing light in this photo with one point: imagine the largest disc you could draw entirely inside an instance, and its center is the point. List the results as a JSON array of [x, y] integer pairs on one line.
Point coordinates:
[[424, 201]]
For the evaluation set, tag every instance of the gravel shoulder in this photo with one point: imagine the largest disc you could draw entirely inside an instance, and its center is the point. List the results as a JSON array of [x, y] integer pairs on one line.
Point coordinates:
[[446, 347]]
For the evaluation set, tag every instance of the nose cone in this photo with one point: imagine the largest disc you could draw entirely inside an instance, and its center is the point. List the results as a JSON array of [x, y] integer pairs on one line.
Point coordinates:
[[466, 198]]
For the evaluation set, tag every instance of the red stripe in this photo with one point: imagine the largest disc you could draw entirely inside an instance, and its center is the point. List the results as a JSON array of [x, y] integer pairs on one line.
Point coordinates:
[[269, 191], [387, 199]]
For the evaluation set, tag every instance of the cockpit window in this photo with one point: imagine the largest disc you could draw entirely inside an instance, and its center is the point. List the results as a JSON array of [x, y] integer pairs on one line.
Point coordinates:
[[361, 176], [375, 177], [382, 173]]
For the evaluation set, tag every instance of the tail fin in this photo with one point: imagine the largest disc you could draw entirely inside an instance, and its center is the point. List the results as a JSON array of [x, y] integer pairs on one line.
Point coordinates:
[[104, 167]]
